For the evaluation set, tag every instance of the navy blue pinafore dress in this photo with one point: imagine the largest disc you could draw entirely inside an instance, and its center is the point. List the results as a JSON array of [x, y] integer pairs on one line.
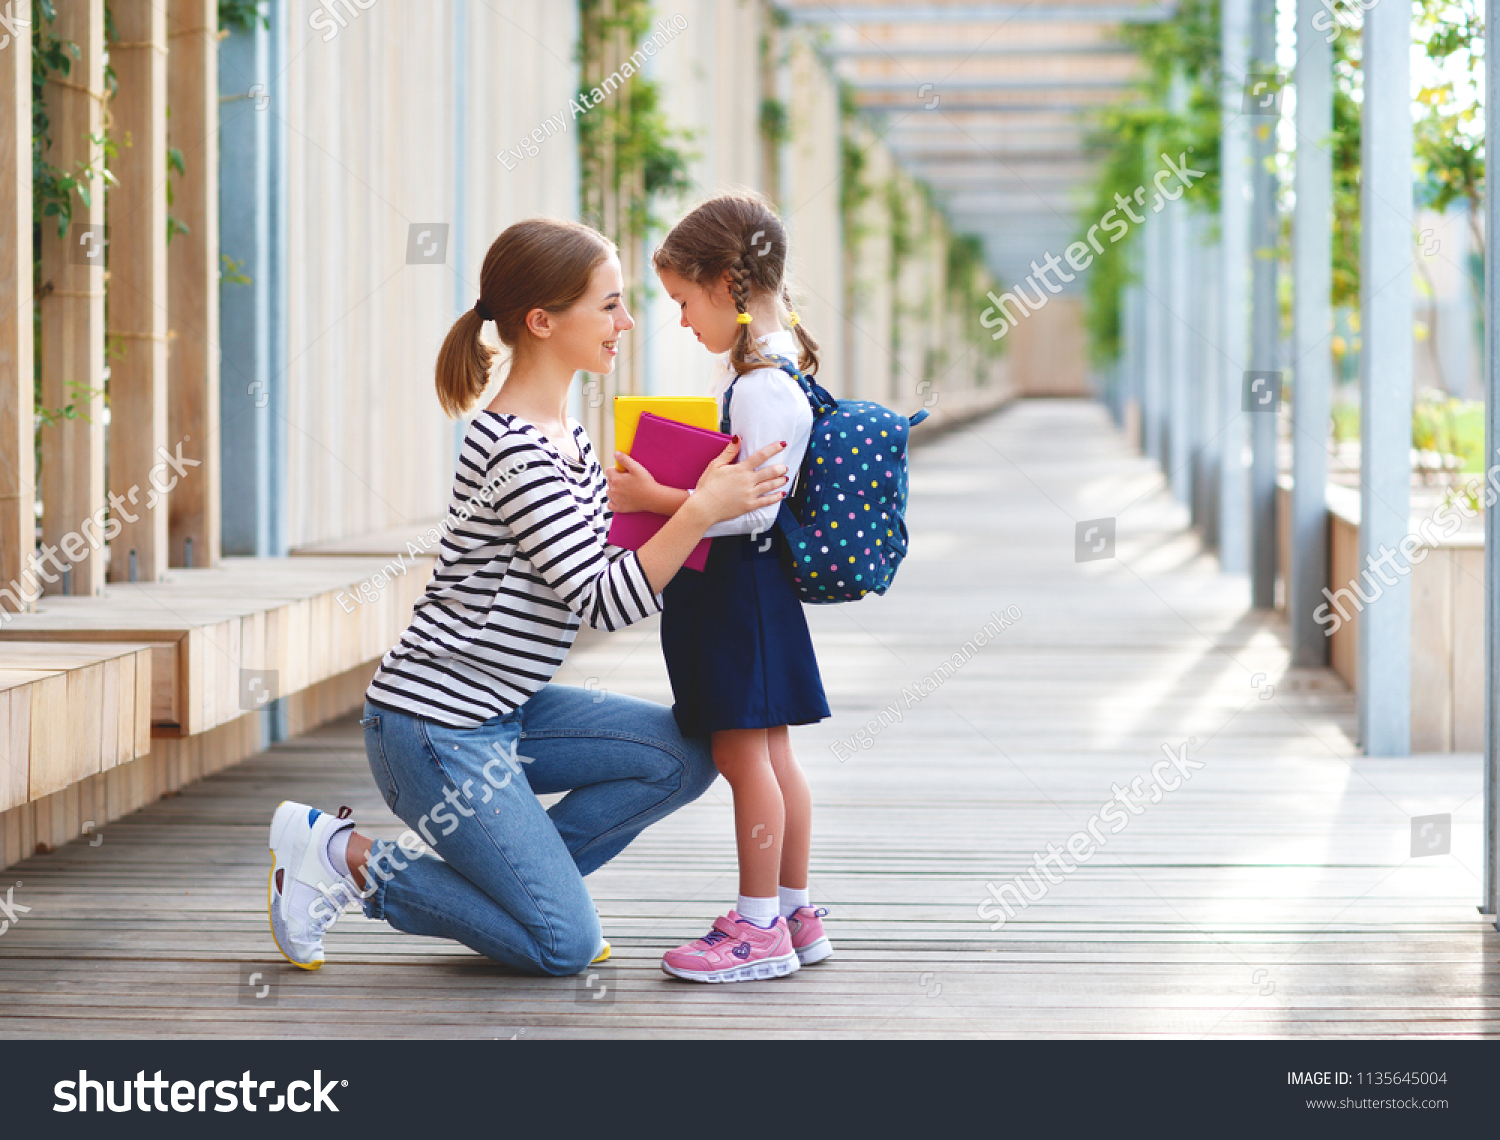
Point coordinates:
[[736, 642]]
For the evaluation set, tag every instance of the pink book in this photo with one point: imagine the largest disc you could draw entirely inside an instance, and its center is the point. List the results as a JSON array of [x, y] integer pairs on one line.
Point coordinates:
[[676, 455]]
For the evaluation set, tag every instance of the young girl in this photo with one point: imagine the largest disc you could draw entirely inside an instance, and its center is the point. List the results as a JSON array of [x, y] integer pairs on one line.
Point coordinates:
[[735, 638]]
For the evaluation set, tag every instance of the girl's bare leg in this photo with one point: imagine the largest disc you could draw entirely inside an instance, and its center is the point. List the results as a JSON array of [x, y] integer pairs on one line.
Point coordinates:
[[743, 758], [796, 847]]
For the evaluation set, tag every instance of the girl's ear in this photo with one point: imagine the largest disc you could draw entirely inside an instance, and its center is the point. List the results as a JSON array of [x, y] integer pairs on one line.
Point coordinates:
[[725, 292], [539, 321]]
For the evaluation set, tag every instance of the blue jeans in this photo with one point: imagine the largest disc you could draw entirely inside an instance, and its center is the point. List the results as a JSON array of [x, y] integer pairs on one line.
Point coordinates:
[[510, 880]]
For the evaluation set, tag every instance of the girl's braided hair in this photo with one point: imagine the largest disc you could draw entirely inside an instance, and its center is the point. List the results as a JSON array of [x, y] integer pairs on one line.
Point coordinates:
[[741, 235]]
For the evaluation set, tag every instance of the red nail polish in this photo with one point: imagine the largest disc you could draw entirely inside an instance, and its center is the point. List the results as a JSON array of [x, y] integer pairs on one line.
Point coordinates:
[[783, 443]]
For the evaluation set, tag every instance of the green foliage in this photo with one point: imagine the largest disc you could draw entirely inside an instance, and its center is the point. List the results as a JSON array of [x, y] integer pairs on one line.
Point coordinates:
[[175, 225], [775, 122], [1348, 79], [855, 190], [1451, 426], [1449, 137], [242, 15], [627, 147], [647, 143], [232, 272], [53, 191], [965, 268], [1439, 423], [967, 281], [52, 188], [903, 240], [79, 397], [1174, 109]]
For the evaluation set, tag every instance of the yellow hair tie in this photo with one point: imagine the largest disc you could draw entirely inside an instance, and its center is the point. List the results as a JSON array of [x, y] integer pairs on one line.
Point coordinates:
[[743, 319], [793, 320]]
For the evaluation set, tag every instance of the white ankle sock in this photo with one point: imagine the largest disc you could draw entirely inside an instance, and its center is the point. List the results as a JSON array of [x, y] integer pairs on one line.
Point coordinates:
[[762, 912], [792, 900], [338, 849]]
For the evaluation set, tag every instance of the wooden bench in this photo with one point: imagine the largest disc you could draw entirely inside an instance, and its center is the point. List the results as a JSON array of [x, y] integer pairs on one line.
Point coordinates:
[[291, 622], [108, 702], [69, 711]]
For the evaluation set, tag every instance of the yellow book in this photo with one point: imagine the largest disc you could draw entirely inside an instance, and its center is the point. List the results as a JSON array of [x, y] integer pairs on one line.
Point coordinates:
[[697, 411]]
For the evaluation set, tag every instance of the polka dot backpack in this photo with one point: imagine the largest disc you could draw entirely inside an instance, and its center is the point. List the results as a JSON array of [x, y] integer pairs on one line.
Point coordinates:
[[846, 531]]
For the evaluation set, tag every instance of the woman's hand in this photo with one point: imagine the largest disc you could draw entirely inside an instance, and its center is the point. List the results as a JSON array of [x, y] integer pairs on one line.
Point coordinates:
[[633, 489], [727, 489]]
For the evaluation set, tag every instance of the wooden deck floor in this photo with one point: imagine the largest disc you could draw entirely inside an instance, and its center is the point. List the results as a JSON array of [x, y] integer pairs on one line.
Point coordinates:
[[1273, 894]]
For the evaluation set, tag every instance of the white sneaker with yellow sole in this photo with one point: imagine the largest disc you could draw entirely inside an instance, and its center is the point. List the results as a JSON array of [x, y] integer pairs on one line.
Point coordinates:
[[305, 895]]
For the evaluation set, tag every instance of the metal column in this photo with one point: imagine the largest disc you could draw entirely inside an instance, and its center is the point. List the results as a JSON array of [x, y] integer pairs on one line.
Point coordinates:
[[1385, 275], [1234, 292], [1312, 331], [1153, 363], [1263, 390], [1491, 902]]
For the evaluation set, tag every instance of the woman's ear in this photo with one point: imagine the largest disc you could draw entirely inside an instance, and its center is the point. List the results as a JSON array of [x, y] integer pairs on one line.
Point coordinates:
[[539, 322]]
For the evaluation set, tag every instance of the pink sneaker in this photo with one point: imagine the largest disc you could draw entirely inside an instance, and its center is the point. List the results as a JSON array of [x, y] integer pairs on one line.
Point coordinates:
[[735, 950], [808, 939]]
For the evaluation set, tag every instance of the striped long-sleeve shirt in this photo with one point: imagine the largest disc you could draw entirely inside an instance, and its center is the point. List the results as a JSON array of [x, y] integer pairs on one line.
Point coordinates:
[[523, 561]]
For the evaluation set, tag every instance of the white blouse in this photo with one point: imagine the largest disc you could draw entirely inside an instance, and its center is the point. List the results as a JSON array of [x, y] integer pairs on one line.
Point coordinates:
[[767, 406]]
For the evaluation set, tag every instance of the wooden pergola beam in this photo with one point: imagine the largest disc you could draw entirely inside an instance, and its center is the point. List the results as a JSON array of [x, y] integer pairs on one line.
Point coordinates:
[[193, 280], [138, 297], [72, 300], [17, 467]]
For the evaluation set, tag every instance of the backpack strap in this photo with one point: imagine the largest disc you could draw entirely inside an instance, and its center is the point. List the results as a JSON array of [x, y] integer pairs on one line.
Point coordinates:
[[724, 410], [817, 397]]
